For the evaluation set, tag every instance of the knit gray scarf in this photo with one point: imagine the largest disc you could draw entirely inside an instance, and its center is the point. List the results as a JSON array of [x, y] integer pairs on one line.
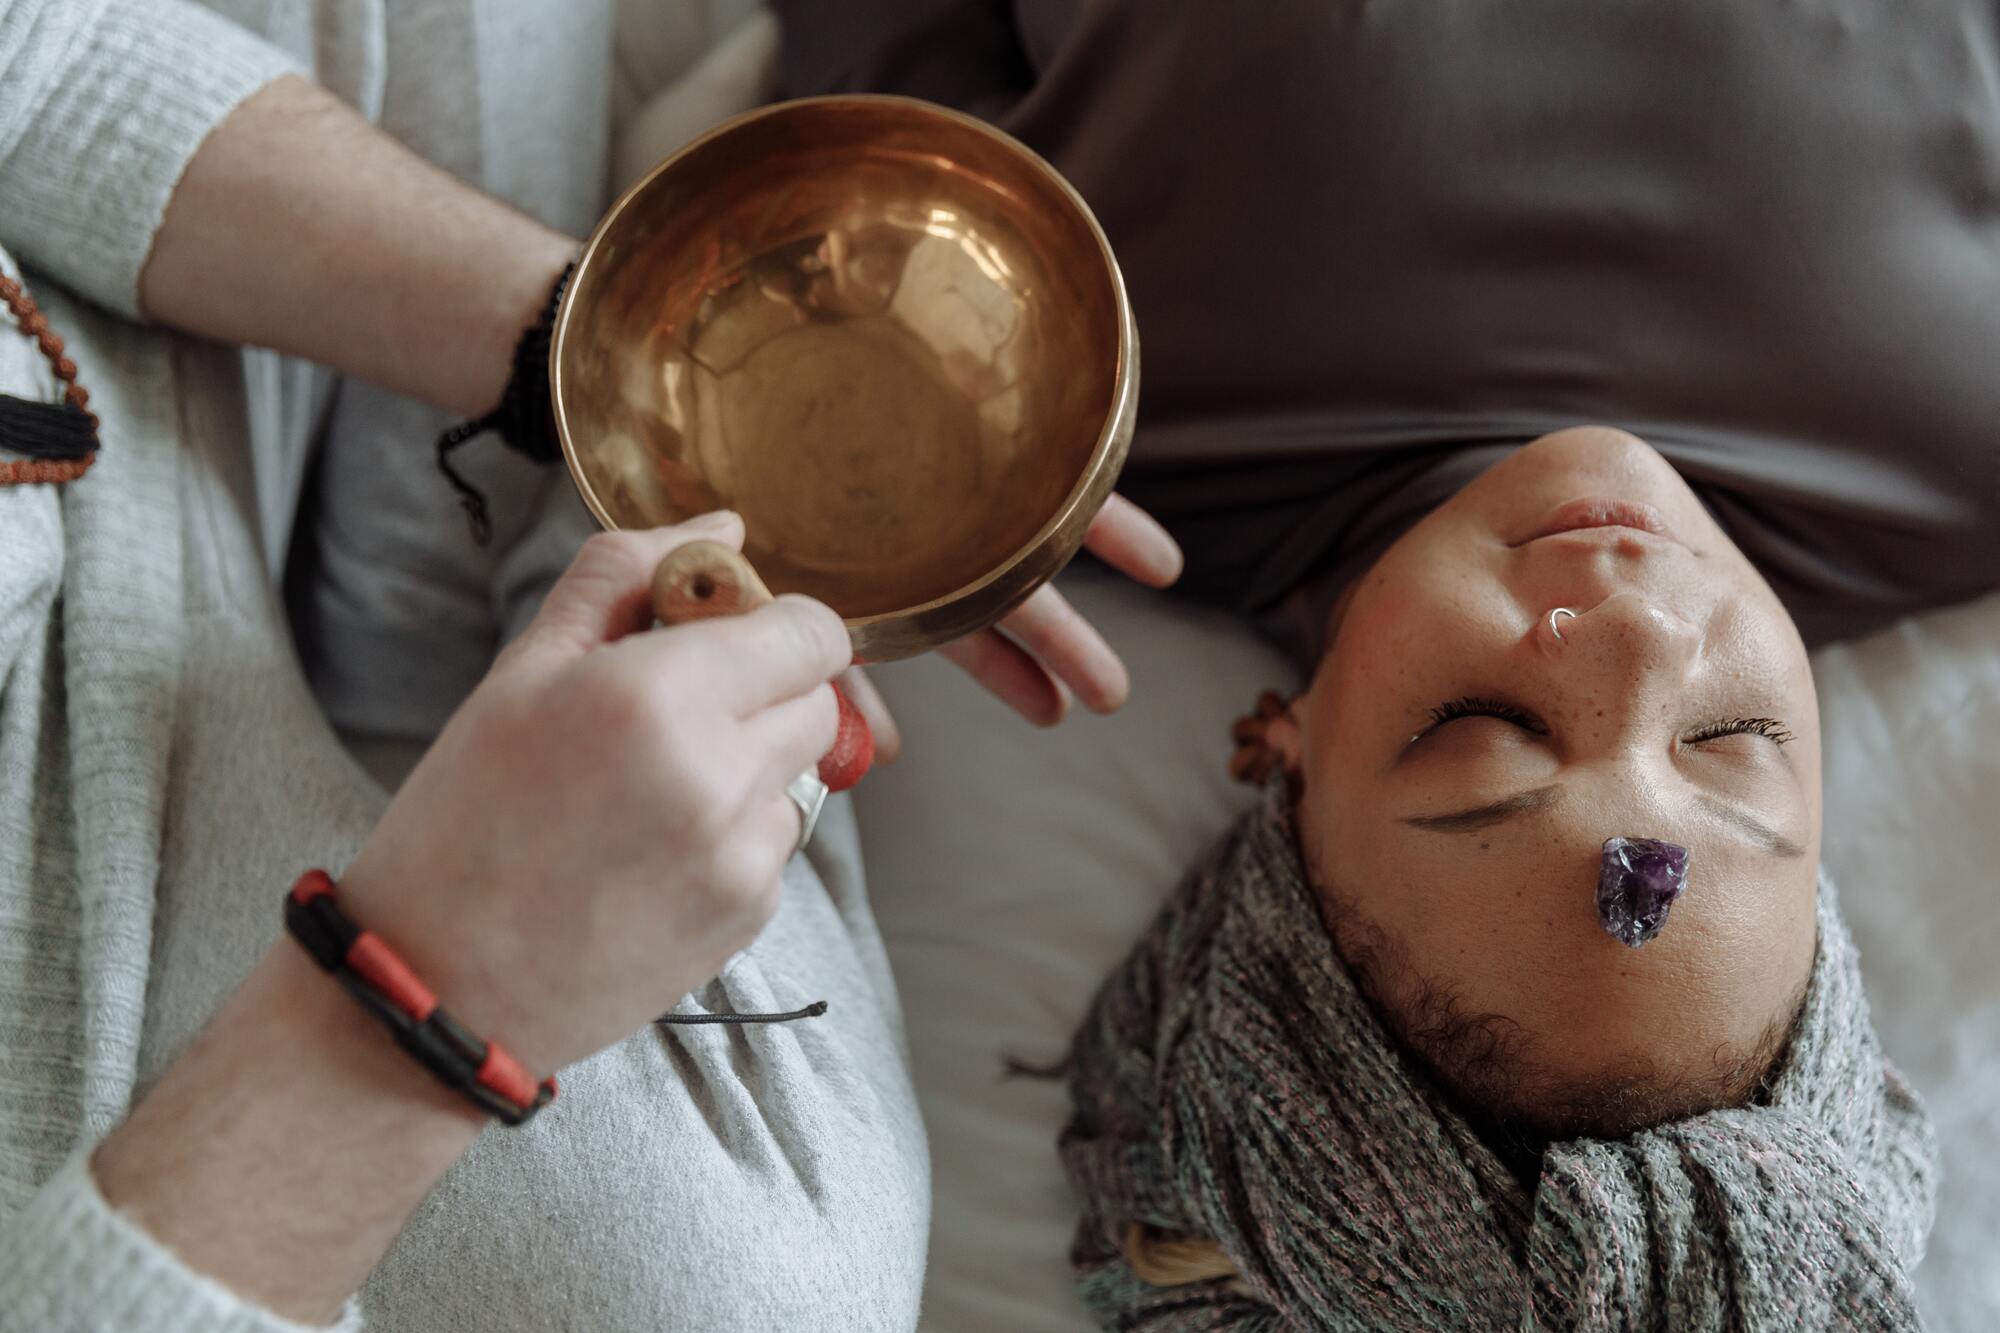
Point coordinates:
[[1230, 1082]]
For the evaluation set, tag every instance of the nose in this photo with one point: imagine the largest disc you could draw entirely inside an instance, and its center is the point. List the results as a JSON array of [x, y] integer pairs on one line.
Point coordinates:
[[1627, 633]]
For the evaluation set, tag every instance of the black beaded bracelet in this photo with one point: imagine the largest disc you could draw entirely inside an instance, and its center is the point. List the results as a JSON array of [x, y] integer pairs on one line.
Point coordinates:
[[524, 419], [384, 984]]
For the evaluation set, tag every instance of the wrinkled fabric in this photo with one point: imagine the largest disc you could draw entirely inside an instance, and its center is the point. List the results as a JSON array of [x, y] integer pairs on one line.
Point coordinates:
[[1231, 1082], [164, 770], [1372, 247]]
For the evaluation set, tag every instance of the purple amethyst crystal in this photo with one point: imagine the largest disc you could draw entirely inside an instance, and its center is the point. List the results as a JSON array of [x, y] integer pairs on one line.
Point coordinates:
[[1637, 883]]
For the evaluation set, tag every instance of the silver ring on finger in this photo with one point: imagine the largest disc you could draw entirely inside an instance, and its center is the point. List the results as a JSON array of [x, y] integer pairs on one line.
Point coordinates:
[[808, 793]]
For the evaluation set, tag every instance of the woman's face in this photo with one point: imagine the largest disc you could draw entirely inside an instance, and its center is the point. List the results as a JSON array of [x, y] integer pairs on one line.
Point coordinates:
[[1677, 703]]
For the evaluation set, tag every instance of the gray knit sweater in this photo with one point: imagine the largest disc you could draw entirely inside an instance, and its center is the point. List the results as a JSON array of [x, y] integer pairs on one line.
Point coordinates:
[[164, 770]]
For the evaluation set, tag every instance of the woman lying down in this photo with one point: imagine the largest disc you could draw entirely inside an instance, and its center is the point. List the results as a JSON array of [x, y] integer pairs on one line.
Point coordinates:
[[1520, 1001], [1525, 999]]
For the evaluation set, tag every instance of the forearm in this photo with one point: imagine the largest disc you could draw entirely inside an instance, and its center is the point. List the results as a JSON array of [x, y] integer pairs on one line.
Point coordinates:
[[283, 1153], [299, 226]]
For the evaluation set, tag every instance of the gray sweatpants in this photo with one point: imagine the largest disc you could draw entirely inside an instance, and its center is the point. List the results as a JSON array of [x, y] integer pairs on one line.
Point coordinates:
[[707, 1177]]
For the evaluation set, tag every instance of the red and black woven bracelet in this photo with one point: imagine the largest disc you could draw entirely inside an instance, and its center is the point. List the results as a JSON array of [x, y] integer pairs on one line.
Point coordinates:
[[375, 975]]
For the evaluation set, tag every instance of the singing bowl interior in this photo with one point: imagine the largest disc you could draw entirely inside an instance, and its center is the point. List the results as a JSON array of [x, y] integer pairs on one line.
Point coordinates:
[[889, 336]]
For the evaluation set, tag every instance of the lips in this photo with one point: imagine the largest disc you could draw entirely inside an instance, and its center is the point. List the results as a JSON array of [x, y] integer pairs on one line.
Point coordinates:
[[1597, 512]]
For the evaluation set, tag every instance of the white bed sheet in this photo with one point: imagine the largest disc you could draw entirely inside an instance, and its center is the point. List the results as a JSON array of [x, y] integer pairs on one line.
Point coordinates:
[[1010, 868]]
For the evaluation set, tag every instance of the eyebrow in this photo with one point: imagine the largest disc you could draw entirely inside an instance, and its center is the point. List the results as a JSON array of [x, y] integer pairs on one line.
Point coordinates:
[[1541, 798], [1765, 836], [1486, 816]]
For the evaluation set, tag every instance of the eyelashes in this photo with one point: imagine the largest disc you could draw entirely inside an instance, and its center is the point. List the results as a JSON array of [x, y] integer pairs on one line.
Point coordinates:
[[1474, 706], [1471, 706], [1777, 731]]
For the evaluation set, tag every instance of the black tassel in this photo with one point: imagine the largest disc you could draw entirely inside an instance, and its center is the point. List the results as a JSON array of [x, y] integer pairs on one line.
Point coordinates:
[[53, 432]]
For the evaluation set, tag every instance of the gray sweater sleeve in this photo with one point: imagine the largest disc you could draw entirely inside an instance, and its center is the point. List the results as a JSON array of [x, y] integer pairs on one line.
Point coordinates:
[[70, 1264], [102, 103]]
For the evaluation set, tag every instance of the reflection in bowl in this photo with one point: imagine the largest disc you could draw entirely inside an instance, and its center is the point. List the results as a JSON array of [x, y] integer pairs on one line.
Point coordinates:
[[889, 336]]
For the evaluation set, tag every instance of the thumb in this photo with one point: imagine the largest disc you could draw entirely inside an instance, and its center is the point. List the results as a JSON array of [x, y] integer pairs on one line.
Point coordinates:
[[606, 593]]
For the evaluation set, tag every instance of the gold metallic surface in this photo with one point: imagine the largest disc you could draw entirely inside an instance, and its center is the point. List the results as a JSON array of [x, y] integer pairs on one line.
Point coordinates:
[[888, 335]]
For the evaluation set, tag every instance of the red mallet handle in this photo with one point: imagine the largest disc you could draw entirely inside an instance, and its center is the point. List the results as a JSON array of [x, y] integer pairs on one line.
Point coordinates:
[[702, 580], [853, 747]]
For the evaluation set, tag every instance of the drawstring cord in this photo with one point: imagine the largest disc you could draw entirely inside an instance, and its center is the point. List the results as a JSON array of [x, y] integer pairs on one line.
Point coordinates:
[[470, 498], [813, 1010]]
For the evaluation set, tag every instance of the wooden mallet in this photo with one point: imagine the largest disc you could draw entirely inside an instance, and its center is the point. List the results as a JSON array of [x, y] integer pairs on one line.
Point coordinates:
[[703, 580]]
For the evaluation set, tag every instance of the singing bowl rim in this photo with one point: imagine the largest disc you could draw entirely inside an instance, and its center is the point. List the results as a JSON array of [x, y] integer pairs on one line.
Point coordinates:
[[907, 631]]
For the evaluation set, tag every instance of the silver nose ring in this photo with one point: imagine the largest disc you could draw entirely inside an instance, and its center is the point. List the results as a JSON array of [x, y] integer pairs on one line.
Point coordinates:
[[1555, 621]]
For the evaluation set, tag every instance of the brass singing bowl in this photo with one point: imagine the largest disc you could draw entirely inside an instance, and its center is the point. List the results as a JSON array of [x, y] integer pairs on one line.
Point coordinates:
[[891, 337]]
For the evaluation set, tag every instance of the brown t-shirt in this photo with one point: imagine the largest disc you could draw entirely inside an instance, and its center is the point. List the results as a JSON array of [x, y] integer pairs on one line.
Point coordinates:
[[1374, 244]]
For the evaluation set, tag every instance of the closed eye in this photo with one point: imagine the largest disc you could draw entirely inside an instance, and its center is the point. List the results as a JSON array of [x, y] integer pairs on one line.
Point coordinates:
[[1477, 706], [1770, 727], [1473, 706]]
